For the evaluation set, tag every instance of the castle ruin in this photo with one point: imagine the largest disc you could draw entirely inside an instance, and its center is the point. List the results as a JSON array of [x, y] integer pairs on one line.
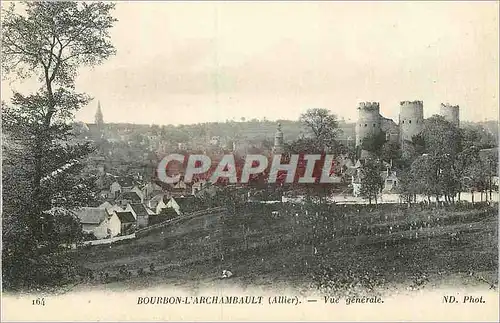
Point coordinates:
[[451, 113], [411, 121]]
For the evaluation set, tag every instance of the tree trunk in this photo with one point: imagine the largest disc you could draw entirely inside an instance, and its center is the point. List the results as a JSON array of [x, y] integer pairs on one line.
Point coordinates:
[[472, 196]]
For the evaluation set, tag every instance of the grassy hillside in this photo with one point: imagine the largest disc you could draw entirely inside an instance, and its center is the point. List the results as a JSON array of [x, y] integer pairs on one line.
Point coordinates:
[[338, 248]]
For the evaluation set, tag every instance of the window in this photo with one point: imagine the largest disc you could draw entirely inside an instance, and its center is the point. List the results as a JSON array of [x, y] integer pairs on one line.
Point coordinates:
[[373, 125], [403, 121], [409, 121], [365, 124]]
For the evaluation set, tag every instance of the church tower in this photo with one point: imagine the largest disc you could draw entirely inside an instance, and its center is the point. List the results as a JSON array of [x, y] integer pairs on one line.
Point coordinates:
[[278, 141], [99, 121]]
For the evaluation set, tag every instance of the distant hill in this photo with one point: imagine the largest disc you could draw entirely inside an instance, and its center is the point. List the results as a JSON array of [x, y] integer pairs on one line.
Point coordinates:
[[490, 125], [251, 131], [254, 130]]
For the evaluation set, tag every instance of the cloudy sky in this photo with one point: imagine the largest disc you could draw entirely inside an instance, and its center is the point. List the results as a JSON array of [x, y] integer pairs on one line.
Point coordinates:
[[197, 62]]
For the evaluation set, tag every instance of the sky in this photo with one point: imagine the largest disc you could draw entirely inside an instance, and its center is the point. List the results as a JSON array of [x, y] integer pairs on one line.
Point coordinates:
[[191, 62]]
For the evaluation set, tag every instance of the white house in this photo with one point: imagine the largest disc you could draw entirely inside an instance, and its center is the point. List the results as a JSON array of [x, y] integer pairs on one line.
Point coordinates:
[[155, 200], [182, 204], [390, 181], [160, 206], [94, 221], [114, 225]]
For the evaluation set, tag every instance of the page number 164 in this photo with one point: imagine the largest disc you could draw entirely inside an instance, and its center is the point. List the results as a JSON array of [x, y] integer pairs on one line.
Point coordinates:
[[40, 301]]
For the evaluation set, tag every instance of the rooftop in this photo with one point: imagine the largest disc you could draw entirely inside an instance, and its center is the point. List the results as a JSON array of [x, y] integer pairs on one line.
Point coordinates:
[[125, 217], [91, 215]]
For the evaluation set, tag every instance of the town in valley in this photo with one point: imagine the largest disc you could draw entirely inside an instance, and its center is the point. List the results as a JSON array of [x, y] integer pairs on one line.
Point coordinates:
[[411, 201]]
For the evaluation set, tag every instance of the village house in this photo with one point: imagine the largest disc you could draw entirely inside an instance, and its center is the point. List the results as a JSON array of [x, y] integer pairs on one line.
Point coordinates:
[[151, 189], [126, 183], [183, 204], [158, 202], [150, 211], [140, 213], [128, 208], [128, 198], [390, 180], [139, 192], [122, 223], [180, 188], [94, 221], [164, 215]]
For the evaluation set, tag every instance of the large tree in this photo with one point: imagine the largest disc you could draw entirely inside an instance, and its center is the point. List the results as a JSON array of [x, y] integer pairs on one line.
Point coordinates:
[[371, 181], [425, 174], [478, 136], [324, 128], [49, 42], [441, 137], [374, 143]]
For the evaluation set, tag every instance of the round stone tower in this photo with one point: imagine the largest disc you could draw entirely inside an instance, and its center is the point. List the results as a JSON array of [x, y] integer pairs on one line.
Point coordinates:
[[451, 113], [368, 121], [411, 119]]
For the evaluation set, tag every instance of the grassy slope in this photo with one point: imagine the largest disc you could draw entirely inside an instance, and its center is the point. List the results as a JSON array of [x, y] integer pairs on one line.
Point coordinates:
[[380, 246]]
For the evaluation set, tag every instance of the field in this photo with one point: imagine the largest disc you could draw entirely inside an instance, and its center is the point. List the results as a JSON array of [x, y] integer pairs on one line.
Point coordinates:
[[329, 248]]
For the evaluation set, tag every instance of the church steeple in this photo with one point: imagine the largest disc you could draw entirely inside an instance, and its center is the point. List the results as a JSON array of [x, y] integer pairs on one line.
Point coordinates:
[[99, 121]]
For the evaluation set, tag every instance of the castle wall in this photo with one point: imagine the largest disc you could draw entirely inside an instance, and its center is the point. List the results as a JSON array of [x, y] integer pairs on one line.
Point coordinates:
[[369, 121], [450, 113], [390, 128]]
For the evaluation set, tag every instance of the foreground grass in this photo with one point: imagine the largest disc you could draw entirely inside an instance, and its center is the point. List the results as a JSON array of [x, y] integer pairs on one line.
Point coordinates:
[[330, 248]]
